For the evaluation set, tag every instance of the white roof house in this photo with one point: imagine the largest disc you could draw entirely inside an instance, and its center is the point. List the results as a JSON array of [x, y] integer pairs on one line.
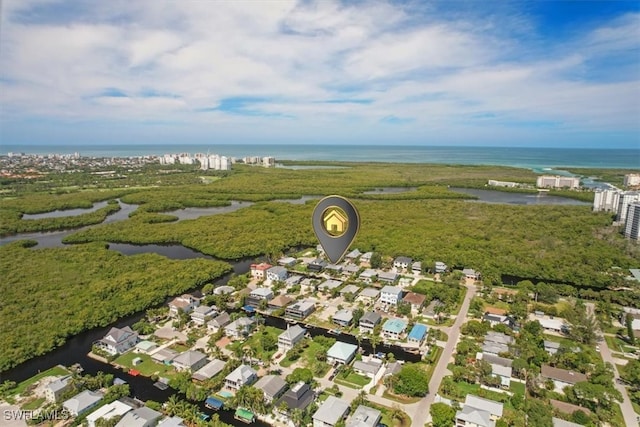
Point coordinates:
[[364, 417], [190, 359], [242, 375], [106, 412], [209, 370], [141, 417], [82, 402], [330, 412], [341, 352]]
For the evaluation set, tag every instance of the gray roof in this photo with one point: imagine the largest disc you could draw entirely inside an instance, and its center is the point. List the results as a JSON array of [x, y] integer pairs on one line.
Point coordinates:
[[479, 417], [343, 315], [391, 290], [563, 375], [495, 360], [189, 358], [388, 275], [222, 319], [59, 384], [332, 410], [501, 371], [402, 260], [353, 254], [498, 338], [495, 408], [494, 348], [209, 370], [271, 385], [369, 292], [364, 417], [369, 273], [139, 417], [302, 305], [262, 292], [299, 396], [241, 374], [371, 317], [349, 289], [350, 268], [329, 284], [82, 401], [370, 367], [393, 368], [293, 332], [118, 335], [293, 280], [172, 422], [277, 270], [557, 422], [203, 309]]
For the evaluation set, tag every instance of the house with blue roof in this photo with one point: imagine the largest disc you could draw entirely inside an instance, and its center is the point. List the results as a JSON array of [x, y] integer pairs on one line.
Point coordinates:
[[394, 328], [418, 333]]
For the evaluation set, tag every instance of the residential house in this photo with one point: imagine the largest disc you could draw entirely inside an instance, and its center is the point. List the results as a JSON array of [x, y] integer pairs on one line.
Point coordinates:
[[164, 356], [551, 347], [416, 267], [241, 376], [433, 309], [559, 422], [568, 408], [394, 328], [506, 295], [220, 321], [552, 324], [350, 270], [224, 290], [349, 289], [277, 274], [496, 343], [471, 274], [287, 261], [341, 352], [209, 370], [494, 359], [498, 319], [239, 328], [343, 317], [141, 417], [369, 368], [390, 295], [82, 402], [368, 276], [368, 295], [190, 360], [297, 397], [259, 271], [440, 267], [118, 340], [504, 373], [279, 302], [418, 334], [561, 377], [364, 417], [300, 310], [290, 337], [415, 300], [405, 282], [329, 285], [402, 262], [392, 368], [293, 280], [330, 412], [258, 295], [202, 314], [185, 303], [317, 265], [478, 412], [108, 411], [145, 347], [272, 386], [388, 277], [365, 259], [334, 268], [172, 422], [368, 321], [55, 389], [353, 255]]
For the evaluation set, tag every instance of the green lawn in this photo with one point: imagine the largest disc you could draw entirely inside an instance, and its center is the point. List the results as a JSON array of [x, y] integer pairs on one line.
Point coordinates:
[[55, 371], [517, 387], [400, 399], [180, 348], [148, 367], [352, 379], [33, 404], [254, 342]]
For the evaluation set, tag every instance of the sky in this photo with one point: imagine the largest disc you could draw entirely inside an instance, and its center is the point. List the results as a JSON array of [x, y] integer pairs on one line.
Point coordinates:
[[471, 73]]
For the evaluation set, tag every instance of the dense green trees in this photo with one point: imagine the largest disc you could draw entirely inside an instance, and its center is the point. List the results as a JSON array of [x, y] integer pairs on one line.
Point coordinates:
[[64, 291], [442, 415], [412, 380]]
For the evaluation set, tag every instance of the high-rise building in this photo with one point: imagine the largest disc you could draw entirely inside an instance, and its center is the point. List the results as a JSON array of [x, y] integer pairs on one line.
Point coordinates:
[[548, 181], [625, 199], [606, 200], [631, 180], [632, 222]]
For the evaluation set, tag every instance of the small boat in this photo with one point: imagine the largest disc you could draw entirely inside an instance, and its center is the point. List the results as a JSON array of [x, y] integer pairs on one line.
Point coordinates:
[[335, 332], [244, 415], [213, 403], [160, 385]]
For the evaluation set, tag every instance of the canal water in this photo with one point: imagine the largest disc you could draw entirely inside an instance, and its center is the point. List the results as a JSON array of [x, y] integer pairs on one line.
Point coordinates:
[[503, 197], [66, 212]]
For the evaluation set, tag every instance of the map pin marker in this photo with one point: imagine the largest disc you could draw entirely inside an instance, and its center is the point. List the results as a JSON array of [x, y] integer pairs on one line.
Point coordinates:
[[335, 222]]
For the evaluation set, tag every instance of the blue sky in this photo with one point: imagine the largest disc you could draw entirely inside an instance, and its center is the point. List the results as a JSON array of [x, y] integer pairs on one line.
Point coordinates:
[[501, 73]]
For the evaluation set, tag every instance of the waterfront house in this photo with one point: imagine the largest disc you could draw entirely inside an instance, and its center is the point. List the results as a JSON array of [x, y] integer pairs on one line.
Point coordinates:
[[172, 422], [364, 416], [290, 337], [190, 360], [164, 355], [145, 347], [293, 280], [287, 261], [334, 268], [388, 277], [329, 285], [55, 389], [349, 289], [402, 262], [343, 317], [368, 295], [341, 352], [118, 340], [471, 274], [82, 402], [394, 328], [299, 396], [241, 376], [141, 417], [218, 322], [416, 267], [202, 314], [239, 328], [258, 295], [368, 321], [330, 412], [300, 310], [259, 271], [418, 334], [279, 302], [209, 370], [108, 411], [317, 265], [185, 303], [272, 387], [277, 274], [440, 267], [369, 368], [561, 377], [390, 295]]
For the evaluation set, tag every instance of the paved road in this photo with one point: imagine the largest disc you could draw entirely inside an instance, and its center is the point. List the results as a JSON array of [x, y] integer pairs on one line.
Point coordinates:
[[421, 414], [630, 417]]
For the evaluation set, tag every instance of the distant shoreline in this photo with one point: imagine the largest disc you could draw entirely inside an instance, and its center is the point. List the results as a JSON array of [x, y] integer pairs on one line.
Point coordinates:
[[519, 157]]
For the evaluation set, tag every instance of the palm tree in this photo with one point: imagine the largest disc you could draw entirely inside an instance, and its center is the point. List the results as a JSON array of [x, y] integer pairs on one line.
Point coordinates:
[[172, 406], [297, 416], [359, 340], [374, 340], [396, 413]]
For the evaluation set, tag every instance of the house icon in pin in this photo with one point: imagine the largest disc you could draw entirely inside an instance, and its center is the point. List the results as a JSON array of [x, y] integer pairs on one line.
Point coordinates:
[[335, 222]]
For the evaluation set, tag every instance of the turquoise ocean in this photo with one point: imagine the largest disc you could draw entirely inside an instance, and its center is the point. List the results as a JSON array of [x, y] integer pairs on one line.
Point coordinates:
[[525, 157]]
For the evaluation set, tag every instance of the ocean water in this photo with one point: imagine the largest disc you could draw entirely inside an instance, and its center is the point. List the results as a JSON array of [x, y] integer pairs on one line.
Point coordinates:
[[526, 157]]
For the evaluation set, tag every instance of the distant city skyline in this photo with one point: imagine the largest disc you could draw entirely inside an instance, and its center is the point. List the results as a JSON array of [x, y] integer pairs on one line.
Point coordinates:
[[523, 74]]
